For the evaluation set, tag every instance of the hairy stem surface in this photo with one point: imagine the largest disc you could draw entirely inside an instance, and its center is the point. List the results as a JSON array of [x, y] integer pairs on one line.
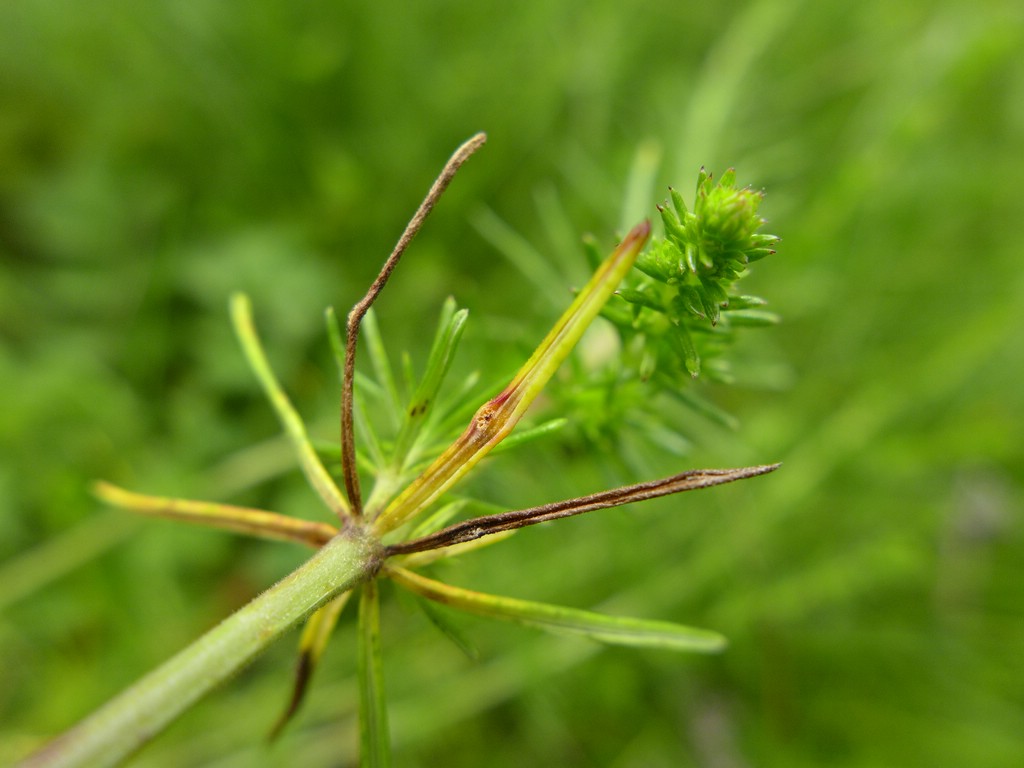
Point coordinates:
[[129, 720]]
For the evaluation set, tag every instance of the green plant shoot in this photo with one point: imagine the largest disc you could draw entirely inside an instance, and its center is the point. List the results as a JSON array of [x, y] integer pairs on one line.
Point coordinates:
[[684, 279]]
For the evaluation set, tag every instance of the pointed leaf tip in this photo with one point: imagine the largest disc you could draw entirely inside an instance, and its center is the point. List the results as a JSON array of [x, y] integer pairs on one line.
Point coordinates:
[[613, 630], [640, 232], [496, 418]]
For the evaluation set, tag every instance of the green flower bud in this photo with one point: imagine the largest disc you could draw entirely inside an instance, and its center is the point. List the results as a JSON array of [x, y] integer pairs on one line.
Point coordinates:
[[682, 294]]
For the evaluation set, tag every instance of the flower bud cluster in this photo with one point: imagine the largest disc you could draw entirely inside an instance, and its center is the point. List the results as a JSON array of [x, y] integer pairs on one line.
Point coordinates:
[[682, 301]]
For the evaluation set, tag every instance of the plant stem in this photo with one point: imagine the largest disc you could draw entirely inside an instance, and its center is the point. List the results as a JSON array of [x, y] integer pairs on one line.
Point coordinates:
[[124, 724], [355, 316]]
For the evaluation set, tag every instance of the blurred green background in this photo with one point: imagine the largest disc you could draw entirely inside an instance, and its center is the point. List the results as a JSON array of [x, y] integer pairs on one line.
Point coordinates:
[[154, 157]]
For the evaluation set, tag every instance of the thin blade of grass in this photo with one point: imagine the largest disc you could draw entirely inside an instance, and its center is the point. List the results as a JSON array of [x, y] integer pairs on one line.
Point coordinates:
[[614, 630]]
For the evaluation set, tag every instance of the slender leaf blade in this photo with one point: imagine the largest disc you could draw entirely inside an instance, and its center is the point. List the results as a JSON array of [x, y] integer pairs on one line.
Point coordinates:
[[446, 340], [336, 339], [522, 436], [254, 522], [382, 365], [614, 630], [374, 740], [315, 635], [241, 317], [446, 627], [496, 418]]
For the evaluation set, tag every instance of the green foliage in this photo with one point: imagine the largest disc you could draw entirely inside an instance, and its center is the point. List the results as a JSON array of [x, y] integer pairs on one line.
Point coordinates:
[[355, 552], [158, 157], [687, 309]]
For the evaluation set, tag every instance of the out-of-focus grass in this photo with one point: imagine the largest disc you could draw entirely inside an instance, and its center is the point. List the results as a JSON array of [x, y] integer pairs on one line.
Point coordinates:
[[156, 157]]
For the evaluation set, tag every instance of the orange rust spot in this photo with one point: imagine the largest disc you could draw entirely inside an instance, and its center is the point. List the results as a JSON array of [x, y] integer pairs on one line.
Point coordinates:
[[484, 417]]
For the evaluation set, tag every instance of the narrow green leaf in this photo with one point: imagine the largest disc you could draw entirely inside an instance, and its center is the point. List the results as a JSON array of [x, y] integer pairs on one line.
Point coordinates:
[[447, 627], [648, 364], [745, 302], [254, 522], [446, 339], [336, 338], [643, 172], [592, 251], [367, 434], [756, 254], [315, 635], [678, 203], [641, 298], [673, 227], [687, 301], [375, 348], [706, 408], [682, 344], [496, 418], [374, 740], [691, 257], [664, 437], [408, 375], [457, 404], [520, 253], [438, 519], [522, 436], [614, 630], [654, 263], [241, 317], [752, 318], [703, 183], [420, 559]]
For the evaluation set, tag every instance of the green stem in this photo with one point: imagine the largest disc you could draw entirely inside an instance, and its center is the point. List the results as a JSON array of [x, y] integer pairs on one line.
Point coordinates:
[[124, 724], [374, 740]]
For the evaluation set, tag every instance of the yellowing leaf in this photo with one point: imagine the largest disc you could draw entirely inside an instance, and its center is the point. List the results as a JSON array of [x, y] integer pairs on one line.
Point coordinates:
[[614, 630]]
